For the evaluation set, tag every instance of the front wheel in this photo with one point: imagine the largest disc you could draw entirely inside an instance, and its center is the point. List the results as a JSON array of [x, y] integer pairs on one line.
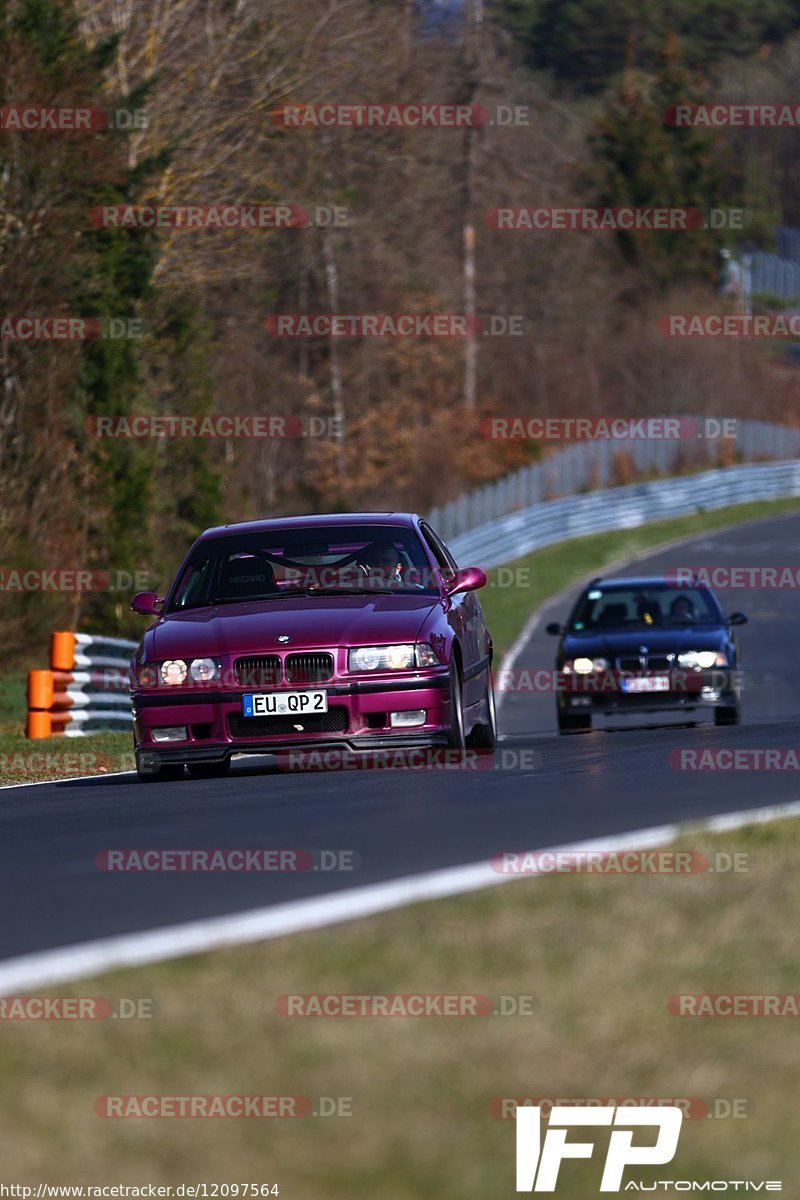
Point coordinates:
[[727, 716], [568, 723], [455, 734], [484, 736]]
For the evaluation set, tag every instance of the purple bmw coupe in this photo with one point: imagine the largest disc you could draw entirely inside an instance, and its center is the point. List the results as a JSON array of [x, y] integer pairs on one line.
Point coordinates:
[[352, 633]]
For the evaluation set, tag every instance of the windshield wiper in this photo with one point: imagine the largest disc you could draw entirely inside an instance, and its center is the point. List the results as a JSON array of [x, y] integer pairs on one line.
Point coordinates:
[[347, 591], [290, 593]]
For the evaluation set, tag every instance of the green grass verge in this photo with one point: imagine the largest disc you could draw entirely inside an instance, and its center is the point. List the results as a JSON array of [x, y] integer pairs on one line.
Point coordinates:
[[601, 955], [23, 761]]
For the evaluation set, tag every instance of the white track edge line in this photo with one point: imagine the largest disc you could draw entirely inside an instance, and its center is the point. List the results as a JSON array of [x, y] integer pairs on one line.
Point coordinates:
[[4, 787], [69, 963]]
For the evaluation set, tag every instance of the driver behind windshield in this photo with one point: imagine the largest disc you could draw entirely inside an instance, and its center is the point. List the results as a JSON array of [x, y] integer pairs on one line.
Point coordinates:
[[681, 609], [381, 564]]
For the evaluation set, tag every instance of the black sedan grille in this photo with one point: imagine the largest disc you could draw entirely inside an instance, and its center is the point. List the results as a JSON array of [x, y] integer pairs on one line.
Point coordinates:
[[260, 670], [308, 668], [651, 662], [333, 721]]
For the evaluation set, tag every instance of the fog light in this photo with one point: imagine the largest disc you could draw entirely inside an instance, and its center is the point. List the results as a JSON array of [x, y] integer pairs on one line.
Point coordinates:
[[170, 733], [710, 694], [402, 720]]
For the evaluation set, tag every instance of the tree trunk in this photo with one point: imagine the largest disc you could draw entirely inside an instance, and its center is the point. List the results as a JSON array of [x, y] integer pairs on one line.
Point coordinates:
[[473, 36]]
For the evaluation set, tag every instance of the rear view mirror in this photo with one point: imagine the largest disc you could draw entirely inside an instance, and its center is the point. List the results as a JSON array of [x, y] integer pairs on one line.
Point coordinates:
[[146, 604], [468, 579], [737, 618]]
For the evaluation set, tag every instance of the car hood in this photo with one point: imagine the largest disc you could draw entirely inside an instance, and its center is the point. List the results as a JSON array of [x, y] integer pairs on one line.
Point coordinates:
[[614, 643], [310, 622]]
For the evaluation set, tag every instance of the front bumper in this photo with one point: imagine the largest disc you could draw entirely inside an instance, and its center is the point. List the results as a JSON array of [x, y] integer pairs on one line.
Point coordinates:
[[688, 691], [357, 720]]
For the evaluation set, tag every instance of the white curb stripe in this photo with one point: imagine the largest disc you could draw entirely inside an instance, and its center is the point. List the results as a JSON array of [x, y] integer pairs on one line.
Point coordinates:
[[33, 971]]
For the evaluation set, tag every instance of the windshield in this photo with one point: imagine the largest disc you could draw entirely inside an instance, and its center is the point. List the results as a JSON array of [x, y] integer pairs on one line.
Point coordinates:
[[644, 608], [314, 561]]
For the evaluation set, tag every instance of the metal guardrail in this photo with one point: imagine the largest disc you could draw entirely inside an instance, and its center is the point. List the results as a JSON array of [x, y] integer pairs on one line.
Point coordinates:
[[85, 689], [586, 466], [518, 533]]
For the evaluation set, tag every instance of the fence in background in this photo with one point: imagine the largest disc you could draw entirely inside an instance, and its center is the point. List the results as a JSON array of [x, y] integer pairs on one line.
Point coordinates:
[[592, 465], [518, 533], [84, 691]]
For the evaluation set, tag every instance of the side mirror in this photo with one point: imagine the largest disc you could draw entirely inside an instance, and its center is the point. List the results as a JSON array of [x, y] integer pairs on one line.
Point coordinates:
[[554, 629], [146, 604], [468, 579], [737, 618]]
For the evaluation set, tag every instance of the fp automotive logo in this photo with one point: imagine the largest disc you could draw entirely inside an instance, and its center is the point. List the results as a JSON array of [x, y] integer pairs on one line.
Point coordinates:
[[538, 1166]]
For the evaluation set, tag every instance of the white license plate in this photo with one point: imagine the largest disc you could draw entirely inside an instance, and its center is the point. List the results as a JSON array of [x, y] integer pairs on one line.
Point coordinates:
[[648, 683], [282, 704]]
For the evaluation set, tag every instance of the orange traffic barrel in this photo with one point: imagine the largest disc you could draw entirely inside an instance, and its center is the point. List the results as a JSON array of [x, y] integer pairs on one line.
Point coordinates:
[[40, 689], [62, 651]]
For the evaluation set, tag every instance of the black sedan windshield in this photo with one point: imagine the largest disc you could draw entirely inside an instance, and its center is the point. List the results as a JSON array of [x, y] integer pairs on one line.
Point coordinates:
[[645, 607]]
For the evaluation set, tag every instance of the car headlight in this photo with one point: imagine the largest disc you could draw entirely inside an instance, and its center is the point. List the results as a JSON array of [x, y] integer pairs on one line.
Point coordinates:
[[147, 676], [204, 670], [426, 655], [382, 658], [704, 659], [585, 666], [173, 672]]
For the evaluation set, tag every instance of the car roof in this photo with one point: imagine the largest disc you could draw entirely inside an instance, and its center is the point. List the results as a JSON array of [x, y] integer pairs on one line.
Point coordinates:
[[312, 521], [641, 581]]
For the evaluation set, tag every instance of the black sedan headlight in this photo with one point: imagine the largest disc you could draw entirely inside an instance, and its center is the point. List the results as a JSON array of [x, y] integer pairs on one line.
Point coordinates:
[[702, 660], [583, 665]]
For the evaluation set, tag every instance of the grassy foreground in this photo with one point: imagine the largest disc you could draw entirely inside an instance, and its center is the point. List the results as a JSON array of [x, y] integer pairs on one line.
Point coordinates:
[[535, 577], [601, 955]]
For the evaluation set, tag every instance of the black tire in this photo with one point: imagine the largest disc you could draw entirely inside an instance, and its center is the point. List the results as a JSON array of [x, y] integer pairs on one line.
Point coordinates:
[[569, 723], [170, 773], [728, 716], [455, 734], [215, 770], [484, 737]]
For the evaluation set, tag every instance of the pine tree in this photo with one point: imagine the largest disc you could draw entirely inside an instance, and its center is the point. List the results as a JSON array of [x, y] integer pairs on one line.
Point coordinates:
[[642, 161]]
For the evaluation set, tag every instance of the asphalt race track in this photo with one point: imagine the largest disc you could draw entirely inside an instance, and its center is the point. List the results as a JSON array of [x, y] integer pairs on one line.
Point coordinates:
[[399, 822]]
